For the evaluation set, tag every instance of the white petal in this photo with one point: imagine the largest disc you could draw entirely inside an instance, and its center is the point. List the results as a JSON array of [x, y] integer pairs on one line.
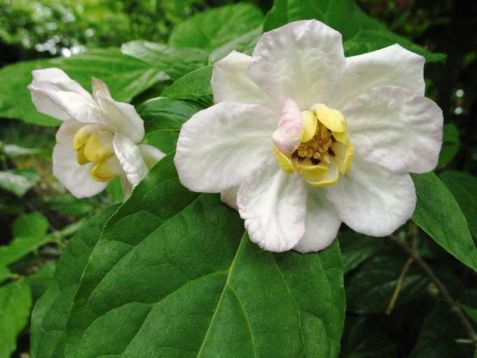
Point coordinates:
[[229, 197], [100, 89], [221, 145], [373, 200], [67, 130], [150, 154], [321, 224], [58, 96], [231, 80], [130, 158], [122, 117], [288, 135], [73, 176], [273, 205], [395, 128], [390, 66], [301, 61]]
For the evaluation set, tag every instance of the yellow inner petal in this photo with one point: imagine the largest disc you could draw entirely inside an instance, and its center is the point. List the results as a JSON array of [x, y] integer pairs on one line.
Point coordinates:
[[103, 171], [324, 152]]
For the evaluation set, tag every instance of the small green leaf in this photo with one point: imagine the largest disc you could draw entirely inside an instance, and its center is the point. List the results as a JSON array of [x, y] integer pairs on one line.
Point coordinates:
[[163, 139], [5, 274], [214, 28], [175, 62], [15, 303], [439, 215], [167, 113], [18, 181], [370, 288], [438, 336], [34, 224], [357, 248], [450, 145], [464, 188], [195, 85]]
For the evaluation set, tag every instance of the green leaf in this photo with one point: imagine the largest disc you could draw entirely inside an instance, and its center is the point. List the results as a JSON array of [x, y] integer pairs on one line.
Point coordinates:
[[438, 335], [126, 77], [18, 181], [15, 151], [439, 215], [29, 231], [183, 279], [450, 145], [361, 33], [41, 280], [213, 28], [175, 62], [30, 225], [195, 85], [357, 248], [5, 274], [165, 140], [363, 339], [15, 302], [167, 113], [243, 43], [464, 188], [50, 313], [370, 288]]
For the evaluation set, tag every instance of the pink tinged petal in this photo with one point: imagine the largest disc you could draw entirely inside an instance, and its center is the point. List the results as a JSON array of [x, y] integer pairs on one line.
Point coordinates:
[[273, 205], [301, 60], [231, 80], [321, 224], [390, 66], [73, 176], [229, 197], [121, 117], [150, 154], [373, 200], [396, 128], [287, 136], [220, 146], [130, 158]]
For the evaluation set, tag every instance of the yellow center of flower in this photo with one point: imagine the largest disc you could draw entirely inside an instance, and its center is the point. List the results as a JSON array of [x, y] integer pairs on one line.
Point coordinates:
[[324, 151], [93, 145]]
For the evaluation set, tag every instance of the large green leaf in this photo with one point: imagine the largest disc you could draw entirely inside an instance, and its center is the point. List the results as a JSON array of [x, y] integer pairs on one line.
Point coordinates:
[[15, 302], [357, 248], [50, 313], [214, 28], [439, 215], [361, 33], [176, 62], [125, 75], [183, 279], [450, 145], [464, 188]]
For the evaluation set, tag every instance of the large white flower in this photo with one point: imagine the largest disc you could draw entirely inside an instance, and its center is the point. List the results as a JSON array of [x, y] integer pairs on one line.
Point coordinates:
[[308, 139], [98, 139]]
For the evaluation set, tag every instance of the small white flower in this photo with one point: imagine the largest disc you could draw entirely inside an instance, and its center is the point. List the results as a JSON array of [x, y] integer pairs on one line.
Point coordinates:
[[98, 139], [308, 138]]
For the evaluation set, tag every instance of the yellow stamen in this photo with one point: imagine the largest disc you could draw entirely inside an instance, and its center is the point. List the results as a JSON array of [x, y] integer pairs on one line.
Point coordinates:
[[98, 146], [103, 171]]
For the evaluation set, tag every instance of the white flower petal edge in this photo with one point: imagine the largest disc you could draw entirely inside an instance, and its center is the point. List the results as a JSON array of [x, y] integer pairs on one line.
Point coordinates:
[[73, 176], [99, 137], [373, 200], [231, 80], [220, 146], [390, 66], [273, 206], [396, 128], [321, 224], [300, 61]]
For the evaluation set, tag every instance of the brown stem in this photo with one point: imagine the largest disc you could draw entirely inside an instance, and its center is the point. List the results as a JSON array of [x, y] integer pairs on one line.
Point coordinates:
[[455, 307], [399, 283]]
